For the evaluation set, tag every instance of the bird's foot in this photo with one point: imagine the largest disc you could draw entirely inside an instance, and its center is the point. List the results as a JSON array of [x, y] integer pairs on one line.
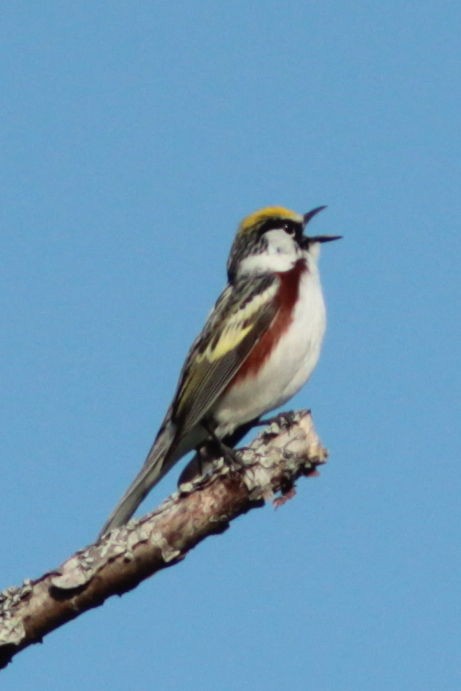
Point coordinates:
[[202, 463]]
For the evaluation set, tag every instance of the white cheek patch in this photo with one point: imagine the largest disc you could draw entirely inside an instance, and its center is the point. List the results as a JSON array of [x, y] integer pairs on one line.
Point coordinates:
[[278, 242], [280, 253]]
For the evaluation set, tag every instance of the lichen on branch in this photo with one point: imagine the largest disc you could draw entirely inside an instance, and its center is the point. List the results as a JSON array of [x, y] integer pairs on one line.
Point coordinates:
[[268, 468]]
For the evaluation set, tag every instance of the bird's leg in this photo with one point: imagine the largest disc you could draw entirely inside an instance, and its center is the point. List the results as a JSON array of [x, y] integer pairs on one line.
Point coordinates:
[[200, 463], [198, 466], [227, 452], [233, 439]]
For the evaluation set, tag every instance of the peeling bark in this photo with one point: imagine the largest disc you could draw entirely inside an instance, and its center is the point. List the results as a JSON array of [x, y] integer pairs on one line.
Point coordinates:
[[287, 449]]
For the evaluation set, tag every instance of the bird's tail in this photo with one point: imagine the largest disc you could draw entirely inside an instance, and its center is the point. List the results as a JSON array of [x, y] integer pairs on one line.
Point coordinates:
[[159, 460]]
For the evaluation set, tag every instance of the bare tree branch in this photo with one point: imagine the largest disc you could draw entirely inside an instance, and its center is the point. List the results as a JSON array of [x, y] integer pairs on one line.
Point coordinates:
[[286, 450]]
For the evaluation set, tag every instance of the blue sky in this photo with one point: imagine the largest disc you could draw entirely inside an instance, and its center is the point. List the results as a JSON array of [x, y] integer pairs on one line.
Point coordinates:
[[134, 136]]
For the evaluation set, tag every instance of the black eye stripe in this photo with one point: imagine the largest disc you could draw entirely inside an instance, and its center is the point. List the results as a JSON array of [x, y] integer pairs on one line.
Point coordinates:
[[291, 227]]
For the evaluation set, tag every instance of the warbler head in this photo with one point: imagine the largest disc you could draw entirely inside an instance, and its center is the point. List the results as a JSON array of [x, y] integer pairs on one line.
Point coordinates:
[[273, 239]]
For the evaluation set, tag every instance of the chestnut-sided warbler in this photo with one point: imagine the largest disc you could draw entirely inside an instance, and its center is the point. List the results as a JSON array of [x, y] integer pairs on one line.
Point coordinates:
[[258, 346]]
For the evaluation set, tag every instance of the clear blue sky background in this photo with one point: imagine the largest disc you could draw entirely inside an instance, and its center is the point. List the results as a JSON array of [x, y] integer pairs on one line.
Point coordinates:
[[134, 136]]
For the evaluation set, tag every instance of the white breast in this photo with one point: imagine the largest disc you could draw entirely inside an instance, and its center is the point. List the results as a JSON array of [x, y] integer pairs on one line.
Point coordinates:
[[289, 366]]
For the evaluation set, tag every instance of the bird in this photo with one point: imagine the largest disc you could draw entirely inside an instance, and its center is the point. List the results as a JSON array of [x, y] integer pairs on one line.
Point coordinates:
[[258, 347]]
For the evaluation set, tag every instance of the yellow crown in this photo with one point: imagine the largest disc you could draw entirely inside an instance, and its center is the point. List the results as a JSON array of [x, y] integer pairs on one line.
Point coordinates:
[[258, 217]]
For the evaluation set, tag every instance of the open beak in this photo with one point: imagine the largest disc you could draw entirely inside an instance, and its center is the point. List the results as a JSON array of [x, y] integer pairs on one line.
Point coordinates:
[[310, 214], [318, 238]]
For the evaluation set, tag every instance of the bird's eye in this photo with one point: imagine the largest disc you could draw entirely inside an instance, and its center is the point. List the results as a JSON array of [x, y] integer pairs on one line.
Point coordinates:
[[290, 229]]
